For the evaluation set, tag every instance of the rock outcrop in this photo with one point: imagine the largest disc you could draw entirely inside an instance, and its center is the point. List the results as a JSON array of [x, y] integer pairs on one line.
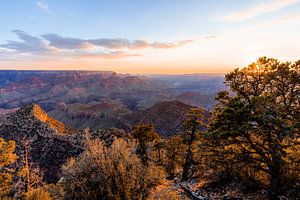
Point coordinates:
[[50, 142]]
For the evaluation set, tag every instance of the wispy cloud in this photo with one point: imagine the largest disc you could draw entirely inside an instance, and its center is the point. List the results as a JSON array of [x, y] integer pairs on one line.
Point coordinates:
[[64, 42], [288, 19], [28, 44], [265, 24], [58, 41], [110, 55], [44, 6], [259, 8], [56, 45]]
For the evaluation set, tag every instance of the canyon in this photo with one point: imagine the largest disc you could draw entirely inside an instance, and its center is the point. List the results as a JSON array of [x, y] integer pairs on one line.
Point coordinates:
[[104, 99]]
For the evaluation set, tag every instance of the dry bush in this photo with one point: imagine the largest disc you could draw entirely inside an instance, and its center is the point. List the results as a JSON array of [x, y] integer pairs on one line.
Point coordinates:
[[38, 194], [165, 194], [7, 158], [109, 173]]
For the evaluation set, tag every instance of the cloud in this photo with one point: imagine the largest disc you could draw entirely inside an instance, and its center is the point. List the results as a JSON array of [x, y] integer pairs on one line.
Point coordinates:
[[64, 42], [50, 45], [58, 41], [110, 55], [212, 36], [29, 44], [283, 20], [44, 6], [120, 43], [160, 45], [261, 7], [136, 44], [292, 18]]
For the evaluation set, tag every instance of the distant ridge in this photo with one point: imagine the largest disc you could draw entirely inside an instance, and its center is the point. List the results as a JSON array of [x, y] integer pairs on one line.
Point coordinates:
[[54, 71], [167, 117]]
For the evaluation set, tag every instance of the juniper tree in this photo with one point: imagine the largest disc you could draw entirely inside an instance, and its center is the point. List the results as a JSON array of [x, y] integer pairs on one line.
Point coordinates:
[[194, 123], [175, 149], [144, 134], [259, 121]]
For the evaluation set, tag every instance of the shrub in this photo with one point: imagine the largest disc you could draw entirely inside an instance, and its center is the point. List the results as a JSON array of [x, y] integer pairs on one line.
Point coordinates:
[[109, 173], [38, 194]]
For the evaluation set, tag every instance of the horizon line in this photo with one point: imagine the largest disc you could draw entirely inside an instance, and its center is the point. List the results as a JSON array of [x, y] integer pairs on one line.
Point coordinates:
[[108, 71]]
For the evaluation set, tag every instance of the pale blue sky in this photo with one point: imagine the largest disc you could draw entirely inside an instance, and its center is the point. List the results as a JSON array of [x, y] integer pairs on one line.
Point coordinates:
[[154, 19], [146, 35]]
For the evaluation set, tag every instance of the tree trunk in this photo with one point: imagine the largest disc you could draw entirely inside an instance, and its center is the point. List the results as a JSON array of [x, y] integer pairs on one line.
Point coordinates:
[[186, 166], [189, 156], [28, 184], [275, 183], [171, 168]]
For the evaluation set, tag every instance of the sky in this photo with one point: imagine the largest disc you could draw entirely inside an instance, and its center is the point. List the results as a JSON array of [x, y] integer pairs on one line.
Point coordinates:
[[147, 36]]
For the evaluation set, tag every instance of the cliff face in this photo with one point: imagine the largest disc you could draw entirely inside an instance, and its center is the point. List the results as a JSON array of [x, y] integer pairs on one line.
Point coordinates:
[[103, 99], [47, 88], [51, 142], [14, 79], [97, 115]]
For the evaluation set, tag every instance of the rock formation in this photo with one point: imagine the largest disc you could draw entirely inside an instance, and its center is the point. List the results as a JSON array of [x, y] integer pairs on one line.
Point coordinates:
[[51, 142]]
